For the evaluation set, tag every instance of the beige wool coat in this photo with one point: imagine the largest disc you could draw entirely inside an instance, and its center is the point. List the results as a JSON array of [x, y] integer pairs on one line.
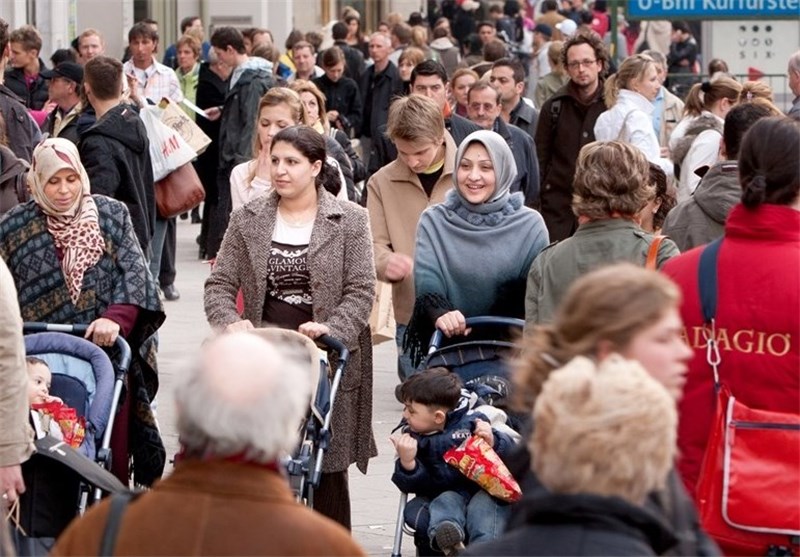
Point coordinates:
[[342, 276]]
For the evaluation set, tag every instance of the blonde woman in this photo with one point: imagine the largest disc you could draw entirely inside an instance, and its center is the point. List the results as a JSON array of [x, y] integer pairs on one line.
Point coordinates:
[[278, 109], [629, 96]]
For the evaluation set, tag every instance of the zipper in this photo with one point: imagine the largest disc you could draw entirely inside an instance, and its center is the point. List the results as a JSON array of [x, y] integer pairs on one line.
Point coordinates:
[[761, 425]]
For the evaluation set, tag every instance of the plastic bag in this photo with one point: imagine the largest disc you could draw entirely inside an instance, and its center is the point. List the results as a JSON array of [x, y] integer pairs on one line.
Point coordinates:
[[480, 463], [73, 427], [168, 150]]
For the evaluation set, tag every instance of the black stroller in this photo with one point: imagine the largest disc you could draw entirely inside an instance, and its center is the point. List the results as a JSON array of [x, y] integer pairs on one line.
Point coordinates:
[[305, 466], [61, 481], [481, 360]]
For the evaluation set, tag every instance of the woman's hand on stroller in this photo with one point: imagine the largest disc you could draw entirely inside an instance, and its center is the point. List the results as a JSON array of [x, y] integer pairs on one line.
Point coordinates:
[[103, 332], [453, 323], [406, 447], [484, 431], [313, 330], [240, 326]]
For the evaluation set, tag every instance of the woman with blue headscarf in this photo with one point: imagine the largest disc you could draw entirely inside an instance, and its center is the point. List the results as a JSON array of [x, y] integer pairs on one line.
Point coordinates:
[[473, 251]]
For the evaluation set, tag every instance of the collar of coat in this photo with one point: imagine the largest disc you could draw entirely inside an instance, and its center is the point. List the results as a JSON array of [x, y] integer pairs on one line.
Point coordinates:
[[404, 174]]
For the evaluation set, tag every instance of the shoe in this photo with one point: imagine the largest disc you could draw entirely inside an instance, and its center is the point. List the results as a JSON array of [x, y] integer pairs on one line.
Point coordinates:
[[171, 293], [449, 538], [196, 219], [184, 216]]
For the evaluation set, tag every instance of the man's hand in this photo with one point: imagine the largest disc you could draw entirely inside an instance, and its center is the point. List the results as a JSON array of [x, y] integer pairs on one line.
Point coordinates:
[[213, 113], [406, 447], [11, 483], [103, 332], [398, 267], [453, 323], [313, 330], [333, 115], [239, 326], [484, 431]]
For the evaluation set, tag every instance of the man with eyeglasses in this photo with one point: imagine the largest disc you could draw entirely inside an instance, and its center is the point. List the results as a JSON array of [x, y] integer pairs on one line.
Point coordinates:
[[566, 123]]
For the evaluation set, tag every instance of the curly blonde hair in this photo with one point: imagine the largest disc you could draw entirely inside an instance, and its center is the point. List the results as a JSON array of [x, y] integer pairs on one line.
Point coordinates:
[[607, 429], [612, 178]]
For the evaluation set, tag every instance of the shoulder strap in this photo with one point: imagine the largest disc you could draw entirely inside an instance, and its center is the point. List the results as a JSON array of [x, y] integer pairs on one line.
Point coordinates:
[[119, 503], [555, 112], [707, 279], [651, 263]]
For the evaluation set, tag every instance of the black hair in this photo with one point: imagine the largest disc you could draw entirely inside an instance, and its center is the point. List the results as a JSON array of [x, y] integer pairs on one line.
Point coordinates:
[[339, 31], [515, 65], [681, 26], [187, 22], [63, 55], [766, 171], [427, 68], [143, 30], [663, 192], [739, 119], [223, 37], [3, 35], [311, 145], [437, 386]]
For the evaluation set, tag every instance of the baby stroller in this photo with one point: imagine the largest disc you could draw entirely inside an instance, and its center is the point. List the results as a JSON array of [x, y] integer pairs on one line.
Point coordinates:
[[61, 481], [481, 360], [305, 466]]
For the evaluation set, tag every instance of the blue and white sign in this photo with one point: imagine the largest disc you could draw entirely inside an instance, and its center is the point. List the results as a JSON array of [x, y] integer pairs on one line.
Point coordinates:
[[713, 9]]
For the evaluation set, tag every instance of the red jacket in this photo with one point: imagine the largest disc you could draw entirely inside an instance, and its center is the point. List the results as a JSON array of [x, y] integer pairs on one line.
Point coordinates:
[[758, 324]]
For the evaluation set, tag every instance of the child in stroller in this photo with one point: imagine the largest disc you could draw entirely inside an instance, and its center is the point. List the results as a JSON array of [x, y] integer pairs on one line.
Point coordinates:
[[57, 479], [438, 419]]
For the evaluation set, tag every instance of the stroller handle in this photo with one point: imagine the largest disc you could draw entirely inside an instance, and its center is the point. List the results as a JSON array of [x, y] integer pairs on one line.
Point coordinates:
[[334, 344], [484, 320], [79, 329]]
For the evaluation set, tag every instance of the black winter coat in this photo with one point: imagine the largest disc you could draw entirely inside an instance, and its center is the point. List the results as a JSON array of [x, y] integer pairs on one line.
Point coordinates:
[[344, 97], [238, 120], [33, 98], [116, 154], [582, 524], [565, 125], [524, 151], [21, 129], [377, 92]]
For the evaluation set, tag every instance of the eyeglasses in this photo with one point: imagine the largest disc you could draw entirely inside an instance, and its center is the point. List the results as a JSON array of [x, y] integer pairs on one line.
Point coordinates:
[[578, 63]]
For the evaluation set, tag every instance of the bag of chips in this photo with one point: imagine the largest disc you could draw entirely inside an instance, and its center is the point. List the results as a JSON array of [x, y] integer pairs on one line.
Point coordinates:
[[479, 462], [73, 428]]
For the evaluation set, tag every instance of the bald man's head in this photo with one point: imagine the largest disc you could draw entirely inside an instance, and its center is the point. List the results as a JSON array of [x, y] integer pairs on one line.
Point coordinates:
[[244, 396]]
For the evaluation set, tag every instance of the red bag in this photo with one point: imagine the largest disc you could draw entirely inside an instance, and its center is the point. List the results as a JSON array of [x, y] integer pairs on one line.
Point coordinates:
[[179, 191], [749, 488], [477, 460], [748, 492]]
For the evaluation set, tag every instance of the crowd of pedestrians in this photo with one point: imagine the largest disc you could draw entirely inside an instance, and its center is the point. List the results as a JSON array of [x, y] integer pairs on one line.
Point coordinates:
[[476, 161]]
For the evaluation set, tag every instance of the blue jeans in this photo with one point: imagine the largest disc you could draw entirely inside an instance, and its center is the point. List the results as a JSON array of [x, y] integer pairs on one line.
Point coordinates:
[[157, 246], [404, 367], [481, 518]]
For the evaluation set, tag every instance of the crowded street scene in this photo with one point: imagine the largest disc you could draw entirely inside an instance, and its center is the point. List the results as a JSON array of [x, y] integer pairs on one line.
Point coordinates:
[[375, 277]]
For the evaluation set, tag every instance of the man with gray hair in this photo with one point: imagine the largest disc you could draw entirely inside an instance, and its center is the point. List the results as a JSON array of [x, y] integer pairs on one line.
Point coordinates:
[[794, 84], [239, 410]]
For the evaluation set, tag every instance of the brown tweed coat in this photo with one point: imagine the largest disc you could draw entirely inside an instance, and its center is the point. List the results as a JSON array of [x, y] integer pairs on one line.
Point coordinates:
[[342, 276]]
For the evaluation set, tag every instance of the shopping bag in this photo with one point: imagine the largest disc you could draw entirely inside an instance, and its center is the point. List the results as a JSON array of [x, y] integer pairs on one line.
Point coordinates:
[[173, 116], [168, 150], [477, 460], [179, 191], [381, 319]]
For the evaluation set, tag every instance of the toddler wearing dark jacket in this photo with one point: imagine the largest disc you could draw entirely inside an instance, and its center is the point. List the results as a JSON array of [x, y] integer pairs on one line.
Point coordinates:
[[437, 422]]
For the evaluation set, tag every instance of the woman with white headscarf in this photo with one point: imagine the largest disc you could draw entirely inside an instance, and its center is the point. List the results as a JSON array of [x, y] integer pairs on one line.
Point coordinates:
[[473, 251], [76, 260]]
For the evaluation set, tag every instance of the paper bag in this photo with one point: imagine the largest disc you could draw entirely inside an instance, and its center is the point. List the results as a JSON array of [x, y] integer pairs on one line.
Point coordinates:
[[381, 319], [174, 117]]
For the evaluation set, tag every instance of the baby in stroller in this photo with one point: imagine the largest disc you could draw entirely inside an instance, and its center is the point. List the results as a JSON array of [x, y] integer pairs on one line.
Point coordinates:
[[438, 418], [39, 381]]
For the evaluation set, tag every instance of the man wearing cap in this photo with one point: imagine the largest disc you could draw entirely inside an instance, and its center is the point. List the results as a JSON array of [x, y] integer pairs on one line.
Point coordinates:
[[540, 63], [64, 87], [567, 28]]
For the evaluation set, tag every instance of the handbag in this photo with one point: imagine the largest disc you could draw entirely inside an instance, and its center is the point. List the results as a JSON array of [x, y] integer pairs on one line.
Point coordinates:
[[179, 191], [381, 318], [749, 481]]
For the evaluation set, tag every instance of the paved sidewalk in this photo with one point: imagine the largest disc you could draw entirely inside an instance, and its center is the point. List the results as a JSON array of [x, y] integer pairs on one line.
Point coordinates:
[[374, 498]]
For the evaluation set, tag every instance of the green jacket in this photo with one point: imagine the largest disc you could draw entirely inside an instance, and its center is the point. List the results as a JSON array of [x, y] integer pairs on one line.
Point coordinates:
[[594, 244]]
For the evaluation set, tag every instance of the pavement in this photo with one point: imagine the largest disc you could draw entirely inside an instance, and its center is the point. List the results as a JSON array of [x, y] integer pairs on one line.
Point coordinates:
[[374, 499]]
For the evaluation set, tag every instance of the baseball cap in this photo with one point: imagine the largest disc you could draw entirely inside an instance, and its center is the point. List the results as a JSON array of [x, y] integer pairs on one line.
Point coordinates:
[[567, 27], [544, 29], [68, 70]]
